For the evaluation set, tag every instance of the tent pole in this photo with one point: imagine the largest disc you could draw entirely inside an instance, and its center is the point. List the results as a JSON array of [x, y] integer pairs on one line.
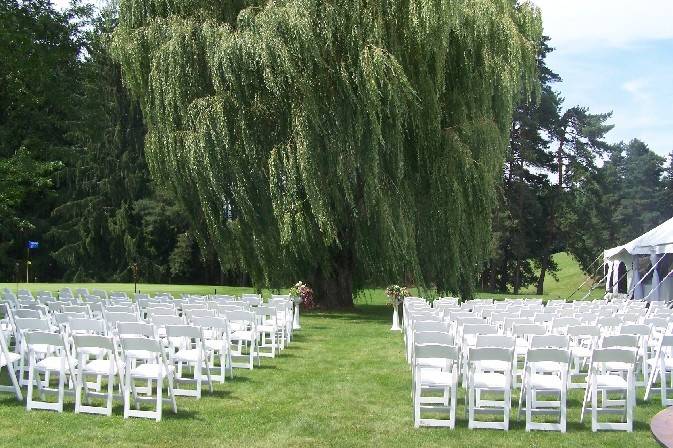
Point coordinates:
[[658, 284], [588, 277], [645, 276]]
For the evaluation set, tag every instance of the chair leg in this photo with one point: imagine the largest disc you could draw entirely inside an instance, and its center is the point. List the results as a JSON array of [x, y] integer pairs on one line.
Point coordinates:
[[160, 402], [127, 395], [15, 383], [29, 399]]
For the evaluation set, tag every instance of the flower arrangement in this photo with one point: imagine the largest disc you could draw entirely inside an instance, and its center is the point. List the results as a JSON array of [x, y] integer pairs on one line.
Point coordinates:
[[305, 293], [396, 294]]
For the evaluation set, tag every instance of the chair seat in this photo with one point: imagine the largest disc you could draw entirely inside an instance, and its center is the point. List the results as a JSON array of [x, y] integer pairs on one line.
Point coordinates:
[[266, 328], [549, 366], [215, 344], [100, 367], [483, 380], [187, 355], [52, 363], [612, 366], [433, 377], [243, 335], [11, 358], [42, 348], [668, 363], [581, 352], [545, 382], [151, 371], [93, 351], [437, 363], [611, 381], [498, 366], [140, 354]]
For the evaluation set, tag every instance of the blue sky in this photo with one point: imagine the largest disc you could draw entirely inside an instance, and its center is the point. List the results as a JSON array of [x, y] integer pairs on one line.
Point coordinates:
[[616, 55]]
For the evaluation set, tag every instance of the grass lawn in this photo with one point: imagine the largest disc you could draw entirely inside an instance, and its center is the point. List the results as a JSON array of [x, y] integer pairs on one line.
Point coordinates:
[[343, 382]]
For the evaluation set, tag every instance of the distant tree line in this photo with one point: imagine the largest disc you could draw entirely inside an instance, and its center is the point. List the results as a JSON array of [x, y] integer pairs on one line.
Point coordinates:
[[73, 174], [565, 189], [72, 171]]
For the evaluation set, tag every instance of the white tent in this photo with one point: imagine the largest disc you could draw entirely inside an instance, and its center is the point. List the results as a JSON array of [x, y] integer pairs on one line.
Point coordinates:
[[633, 260]]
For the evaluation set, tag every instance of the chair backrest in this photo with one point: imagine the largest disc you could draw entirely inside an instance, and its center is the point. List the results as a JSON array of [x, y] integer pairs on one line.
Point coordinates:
[[433, 337], [141, 344], [24, 313], [479, 329], [218, 323], [93, 341], [163, 320], [555, 355], [31, 324], [113, 318], [529, 330], [430, 325], [194, 306], [622, 340], [246, 317], [87, 325], [491, 354], [84, 309], [435, 351], [44, 338], [135, 329], [555, 341], [636, 329], [183, 331], [584, 331], [613, 355], [161, 311], [200, 313], [123, 308], [495, 341]]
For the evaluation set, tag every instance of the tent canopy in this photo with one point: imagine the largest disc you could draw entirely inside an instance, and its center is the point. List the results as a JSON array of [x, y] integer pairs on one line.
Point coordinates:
[[657, 241]]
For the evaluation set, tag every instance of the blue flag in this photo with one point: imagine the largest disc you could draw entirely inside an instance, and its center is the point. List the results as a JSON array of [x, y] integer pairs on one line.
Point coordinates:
[[33, 244]]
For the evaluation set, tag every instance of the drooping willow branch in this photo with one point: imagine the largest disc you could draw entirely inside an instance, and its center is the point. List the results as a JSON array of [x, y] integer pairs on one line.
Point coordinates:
[[303, 132]]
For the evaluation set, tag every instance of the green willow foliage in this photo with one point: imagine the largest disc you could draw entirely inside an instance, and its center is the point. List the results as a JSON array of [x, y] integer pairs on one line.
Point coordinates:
[[341, 142]]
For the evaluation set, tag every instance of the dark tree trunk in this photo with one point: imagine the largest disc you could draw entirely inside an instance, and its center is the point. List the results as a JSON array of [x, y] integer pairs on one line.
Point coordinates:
[[492, 281], [333, 288], [543, 273], [517, 276]]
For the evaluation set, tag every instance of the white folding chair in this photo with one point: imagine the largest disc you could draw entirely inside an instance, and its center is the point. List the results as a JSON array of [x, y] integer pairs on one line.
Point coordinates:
[[642, 332], [154, 369], [243, 328], [216, 338], [57, 361], [549, 378], [583, 340], [187, 347], [105, 365], [662, 366], [267, 330], [492, 379], [9, 359], [435, 369], [602, 380]]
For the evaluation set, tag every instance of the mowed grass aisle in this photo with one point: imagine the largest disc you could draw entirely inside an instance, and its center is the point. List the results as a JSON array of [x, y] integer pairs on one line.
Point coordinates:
[[343, 382]]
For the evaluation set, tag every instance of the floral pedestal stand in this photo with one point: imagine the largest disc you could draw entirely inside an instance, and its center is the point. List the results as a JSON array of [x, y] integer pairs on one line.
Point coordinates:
[[295, 322], [396, 319]]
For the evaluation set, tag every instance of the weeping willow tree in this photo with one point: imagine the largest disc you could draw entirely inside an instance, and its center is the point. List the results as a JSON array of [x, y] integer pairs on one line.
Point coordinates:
[[344, 143]]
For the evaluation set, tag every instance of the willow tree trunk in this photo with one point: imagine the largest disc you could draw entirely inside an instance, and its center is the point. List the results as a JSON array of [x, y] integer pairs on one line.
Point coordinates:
[[333, 285]]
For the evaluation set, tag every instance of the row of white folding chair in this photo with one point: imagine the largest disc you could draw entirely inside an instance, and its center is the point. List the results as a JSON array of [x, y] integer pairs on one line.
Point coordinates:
[[489, 370], [175, 357]]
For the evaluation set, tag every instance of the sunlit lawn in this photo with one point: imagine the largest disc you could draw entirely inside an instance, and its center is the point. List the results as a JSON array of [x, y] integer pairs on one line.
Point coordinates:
[[343, 382]]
